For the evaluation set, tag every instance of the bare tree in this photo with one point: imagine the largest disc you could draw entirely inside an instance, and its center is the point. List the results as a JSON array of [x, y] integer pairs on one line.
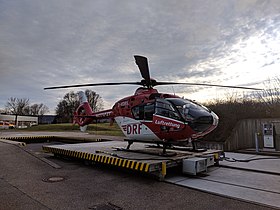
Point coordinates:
[[43, 109], [270, 96], [38, 109], [235, 108], [21, 107], [70, 102], [94, 100], [17, 106]]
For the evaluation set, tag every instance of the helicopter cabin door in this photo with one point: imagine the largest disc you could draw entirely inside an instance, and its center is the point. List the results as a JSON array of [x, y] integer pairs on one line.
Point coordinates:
[[142, 123], [167, 117]]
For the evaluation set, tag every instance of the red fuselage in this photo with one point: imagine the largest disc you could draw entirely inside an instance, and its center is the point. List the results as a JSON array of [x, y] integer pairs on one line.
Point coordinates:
[[152, 116]]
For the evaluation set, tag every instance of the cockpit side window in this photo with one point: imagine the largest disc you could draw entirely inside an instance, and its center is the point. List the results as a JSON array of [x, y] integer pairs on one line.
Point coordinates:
[[149, 110], [166, 109], [136, 112], [143, 111]]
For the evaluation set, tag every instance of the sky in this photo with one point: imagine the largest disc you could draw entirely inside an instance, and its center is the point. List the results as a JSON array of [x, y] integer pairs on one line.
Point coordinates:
[[64, 42]]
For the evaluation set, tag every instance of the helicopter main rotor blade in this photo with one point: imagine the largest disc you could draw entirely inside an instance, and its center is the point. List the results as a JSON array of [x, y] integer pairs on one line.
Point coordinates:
[[155, 83], [94, 84], [142, 63], [205, 84]]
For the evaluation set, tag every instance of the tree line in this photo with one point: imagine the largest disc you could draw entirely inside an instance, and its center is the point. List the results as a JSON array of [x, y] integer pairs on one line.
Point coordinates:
[[64, 109], [233, 108], [22, 106]]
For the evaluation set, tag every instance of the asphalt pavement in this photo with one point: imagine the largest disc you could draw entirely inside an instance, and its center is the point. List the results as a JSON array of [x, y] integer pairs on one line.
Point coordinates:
[[31, 179]]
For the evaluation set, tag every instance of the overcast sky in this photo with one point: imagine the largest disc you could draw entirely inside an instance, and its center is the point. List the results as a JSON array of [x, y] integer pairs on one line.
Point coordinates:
[[62, 42]]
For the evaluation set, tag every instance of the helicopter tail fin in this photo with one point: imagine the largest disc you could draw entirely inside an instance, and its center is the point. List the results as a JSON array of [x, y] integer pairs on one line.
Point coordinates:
[[83, 114]]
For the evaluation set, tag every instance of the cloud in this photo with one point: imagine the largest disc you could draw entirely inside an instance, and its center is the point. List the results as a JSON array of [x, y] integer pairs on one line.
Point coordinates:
[[50, 43]]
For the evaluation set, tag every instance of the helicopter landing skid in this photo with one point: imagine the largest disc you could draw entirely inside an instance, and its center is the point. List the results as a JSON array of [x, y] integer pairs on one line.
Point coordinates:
[[163, 153], [151, 152], [188, 149]]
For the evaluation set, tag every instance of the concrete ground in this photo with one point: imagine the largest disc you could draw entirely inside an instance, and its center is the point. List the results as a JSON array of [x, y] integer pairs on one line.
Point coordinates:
[[253, 178], [74, 134], [29, 182]]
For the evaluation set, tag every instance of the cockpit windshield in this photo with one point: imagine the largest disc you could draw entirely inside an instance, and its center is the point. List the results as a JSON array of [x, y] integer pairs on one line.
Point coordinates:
[[188, 109], [198, 116]]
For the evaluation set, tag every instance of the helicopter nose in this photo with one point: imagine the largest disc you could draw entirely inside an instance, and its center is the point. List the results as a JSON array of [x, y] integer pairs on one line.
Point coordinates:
[[205, 122], [215, 119]]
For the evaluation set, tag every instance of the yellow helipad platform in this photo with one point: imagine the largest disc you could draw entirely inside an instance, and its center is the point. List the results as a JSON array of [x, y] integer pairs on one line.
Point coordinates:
[[106, 153]]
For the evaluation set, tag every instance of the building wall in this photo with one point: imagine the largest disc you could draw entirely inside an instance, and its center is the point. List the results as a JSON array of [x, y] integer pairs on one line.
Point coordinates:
[[21, 120], [7, 117], [243, 135], [47, 119]]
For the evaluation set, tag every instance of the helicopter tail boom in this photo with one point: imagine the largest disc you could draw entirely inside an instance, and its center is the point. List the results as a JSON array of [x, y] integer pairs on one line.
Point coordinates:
[[84, 114]]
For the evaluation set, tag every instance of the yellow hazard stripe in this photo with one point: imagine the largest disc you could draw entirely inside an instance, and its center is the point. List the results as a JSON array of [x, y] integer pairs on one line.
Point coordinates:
[[216, 156], [132, 164], [137, 165], [27, 137], [124, 163]]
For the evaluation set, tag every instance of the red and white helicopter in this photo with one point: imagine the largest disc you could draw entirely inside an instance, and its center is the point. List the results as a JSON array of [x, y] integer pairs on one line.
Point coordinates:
[[150, 116]]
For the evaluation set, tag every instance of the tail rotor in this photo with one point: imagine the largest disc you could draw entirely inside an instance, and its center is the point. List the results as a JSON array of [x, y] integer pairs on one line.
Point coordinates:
[[81, 115]]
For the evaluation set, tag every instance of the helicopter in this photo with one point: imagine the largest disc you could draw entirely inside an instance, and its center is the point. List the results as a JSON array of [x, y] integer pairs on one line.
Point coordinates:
[[150, 116]]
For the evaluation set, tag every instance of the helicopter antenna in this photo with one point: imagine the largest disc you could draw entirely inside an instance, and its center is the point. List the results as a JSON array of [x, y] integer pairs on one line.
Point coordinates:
[[173, 90]]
